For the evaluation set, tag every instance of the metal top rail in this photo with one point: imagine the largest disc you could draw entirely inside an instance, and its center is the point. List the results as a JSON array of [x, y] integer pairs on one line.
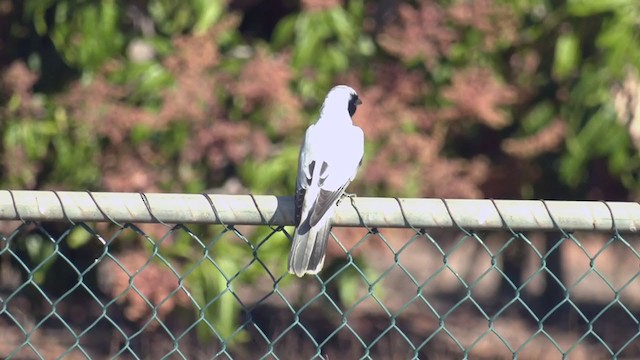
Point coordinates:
[[278, 210]]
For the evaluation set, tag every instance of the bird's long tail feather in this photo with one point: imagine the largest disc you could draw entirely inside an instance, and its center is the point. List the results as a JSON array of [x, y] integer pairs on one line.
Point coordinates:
[[308, 248]]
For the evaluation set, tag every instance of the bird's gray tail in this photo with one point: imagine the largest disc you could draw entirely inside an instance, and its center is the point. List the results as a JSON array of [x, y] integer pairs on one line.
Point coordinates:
[[308, 248]]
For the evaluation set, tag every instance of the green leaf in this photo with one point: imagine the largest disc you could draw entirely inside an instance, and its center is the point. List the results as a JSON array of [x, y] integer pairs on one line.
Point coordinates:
[[617, 40], [208, 12], [283, 34], [593, 7], [274, 173], [538, 118], [87, 35], [41, 252], [342, 25], [78, 237], [336, 59], [566, 56]]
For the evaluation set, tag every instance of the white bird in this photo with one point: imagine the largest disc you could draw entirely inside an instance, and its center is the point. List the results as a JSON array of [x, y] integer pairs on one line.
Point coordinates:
[[330, 156]]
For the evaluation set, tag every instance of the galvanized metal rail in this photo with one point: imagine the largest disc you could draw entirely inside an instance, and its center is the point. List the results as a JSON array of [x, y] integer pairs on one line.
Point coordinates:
[[359, 211]]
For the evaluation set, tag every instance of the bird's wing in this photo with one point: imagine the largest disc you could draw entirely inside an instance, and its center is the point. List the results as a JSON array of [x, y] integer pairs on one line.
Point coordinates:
[[337, 173], [305, 171]]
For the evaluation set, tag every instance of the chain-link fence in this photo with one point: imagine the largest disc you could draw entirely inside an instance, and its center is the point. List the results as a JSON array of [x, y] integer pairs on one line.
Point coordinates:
[[100, 275]]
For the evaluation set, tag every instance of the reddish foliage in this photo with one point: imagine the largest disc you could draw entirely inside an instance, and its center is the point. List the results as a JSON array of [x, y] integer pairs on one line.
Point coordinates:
[[411, 138], [18, 80], [392, 103], [264, 83], [136, 281], [496, 21], [224, 143], [319, 5], [193, 100], [425, 28], [545, 140], [477, 94]]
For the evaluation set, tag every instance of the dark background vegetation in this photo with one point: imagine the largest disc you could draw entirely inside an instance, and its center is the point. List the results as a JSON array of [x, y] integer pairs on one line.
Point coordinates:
[[522, 99]]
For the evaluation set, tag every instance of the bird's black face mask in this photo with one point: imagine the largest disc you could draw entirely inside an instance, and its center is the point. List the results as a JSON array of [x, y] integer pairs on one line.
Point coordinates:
[[353, 104]]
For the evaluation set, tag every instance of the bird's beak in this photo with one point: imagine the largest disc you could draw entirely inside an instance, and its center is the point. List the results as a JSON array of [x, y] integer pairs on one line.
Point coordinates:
[[358, 102]]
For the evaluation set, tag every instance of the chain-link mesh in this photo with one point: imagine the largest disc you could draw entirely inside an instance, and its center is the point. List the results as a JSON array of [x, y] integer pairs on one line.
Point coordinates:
[[111, 290]]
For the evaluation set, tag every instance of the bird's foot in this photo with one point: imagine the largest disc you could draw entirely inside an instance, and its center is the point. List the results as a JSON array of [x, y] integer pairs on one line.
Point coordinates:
[[346, 195]]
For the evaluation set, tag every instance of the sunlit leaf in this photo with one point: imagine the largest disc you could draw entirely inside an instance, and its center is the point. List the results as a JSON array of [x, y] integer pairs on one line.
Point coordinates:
[[566, 55], [78, 237]]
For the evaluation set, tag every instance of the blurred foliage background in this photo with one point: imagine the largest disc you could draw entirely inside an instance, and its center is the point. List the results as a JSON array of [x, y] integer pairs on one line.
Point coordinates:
[[470, 98], [462, 98]]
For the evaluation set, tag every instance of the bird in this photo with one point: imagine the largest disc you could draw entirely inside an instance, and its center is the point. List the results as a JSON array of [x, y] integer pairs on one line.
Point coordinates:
[[330, 156]]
